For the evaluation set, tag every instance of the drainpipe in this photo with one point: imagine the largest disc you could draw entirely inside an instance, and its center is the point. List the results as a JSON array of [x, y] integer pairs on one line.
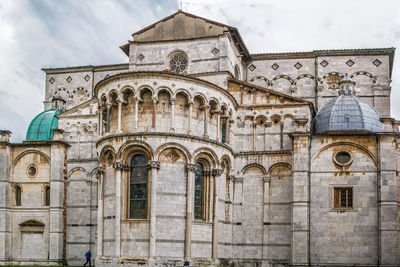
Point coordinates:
[[378, 198], [309, 201], [316, 82]]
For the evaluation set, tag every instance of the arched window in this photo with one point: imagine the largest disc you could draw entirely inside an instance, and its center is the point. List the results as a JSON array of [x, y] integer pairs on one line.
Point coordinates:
[[138, 188], [199, 192], [223, 130], [17, 196], [237, 72], [47, 196]]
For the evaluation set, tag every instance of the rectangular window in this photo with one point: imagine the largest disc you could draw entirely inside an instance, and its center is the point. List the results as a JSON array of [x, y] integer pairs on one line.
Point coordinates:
[[343, 197]]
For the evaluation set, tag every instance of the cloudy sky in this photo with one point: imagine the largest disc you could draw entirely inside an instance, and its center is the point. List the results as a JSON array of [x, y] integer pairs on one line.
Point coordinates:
[[47, 33]]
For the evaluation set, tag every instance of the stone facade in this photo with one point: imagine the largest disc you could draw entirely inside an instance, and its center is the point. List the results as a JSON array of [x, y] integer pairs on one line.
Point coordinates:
[[270, 187]]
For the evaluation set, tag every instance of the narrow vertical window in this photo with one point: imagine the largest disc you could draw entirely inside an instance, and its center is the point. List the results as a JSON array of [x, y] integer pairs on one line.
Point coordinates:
[[223, 133], [199, 192], [47, 196], [138, 188], [18, 196]]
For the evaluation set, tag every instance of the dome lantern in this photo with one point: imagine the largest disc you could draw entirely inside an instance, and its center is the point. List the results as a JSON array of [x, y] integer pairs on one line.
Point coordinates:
[[347, 114], [347, 85]]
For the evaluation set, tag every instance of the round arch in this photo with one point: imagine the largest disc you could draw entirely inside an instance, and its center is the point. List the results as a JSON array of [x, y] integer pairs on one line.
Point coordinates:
[[180, 147], [254, 165], [29, 151], [365, 150], [130, 147], [208, 153]]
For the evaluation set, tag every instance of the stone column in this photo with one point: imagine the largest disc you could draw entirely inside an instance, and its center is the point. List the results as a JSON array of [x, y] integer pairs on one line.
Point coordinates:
[[108, 118], [190, 117], [388, 245], [228, 131], [136, 113], [206, 109], [154, 113], [191, 171], [153, 166], [301, 199], [100, 210], [118, 168], [119, 116], [267, 125], [100, 120], [218, 126], [172, 115], [215, 173], [254, 124]]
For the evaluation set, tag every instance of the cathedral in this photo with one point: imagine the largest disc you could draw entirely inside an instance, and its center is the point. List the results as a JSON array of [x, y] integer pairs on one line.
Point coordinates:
[[197, 152]]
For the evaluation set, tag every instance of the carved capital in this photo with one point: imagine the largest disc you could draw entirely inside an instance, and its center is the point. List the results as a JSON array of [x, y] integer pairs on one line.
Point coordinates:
[[216, 172], [266, 179], [118, 166], [231, 177], [153, 164], [99, 172], [238, 180], [191, 167]]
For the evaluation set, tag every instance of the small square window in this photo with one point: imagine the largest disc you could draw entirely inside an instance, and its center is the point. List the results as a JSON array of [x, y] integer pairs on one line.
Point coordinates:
[[343, 197]]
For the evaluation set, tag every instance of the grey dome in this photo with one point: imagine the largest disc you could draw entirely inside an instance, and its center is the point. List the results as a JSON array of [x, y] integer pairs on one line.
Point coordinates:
[[347, 113]]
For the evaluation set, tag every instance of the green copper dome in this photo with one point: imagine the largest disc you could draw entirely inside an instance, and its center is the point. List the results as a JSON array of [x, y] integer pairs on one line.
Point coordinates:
[[41, 127]]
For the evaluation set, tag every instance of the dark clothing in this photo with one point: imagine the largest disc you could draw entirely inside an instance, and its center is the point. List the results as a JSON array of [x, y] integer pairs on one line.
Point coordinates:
[[87, 261], [88, 255]]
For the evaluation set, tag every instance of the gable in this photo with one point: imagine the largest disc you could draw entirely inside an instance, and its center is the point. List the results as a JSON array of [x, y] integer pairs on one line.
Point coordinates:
[[178, 26]]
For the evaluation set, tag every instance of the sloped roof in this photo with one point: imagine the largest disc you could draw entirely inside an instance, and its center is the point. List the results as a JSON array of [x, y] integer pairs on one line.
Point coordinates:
[[271, 92], [185, 26]]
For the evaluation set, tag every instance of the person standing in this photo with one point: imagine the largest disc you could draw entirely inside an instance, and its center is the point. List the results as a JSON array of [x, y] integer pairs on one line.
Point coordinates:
[[88, 255]]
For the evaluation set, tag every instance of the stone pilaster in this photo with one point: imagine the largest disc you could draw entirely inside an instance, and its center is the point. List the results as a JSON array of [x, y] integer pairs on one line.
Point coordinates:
[[118, 166], [191, 171], [5, 214], [301, 199], [153, 166], [387, 201], [215, 173], [58, 171], [100, 211]]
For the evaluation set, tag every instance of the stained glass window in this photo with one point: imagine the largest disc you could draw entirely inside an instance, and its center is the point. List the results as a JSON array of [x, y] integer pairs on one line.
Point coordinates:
[[138, 188], [199, 192]]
